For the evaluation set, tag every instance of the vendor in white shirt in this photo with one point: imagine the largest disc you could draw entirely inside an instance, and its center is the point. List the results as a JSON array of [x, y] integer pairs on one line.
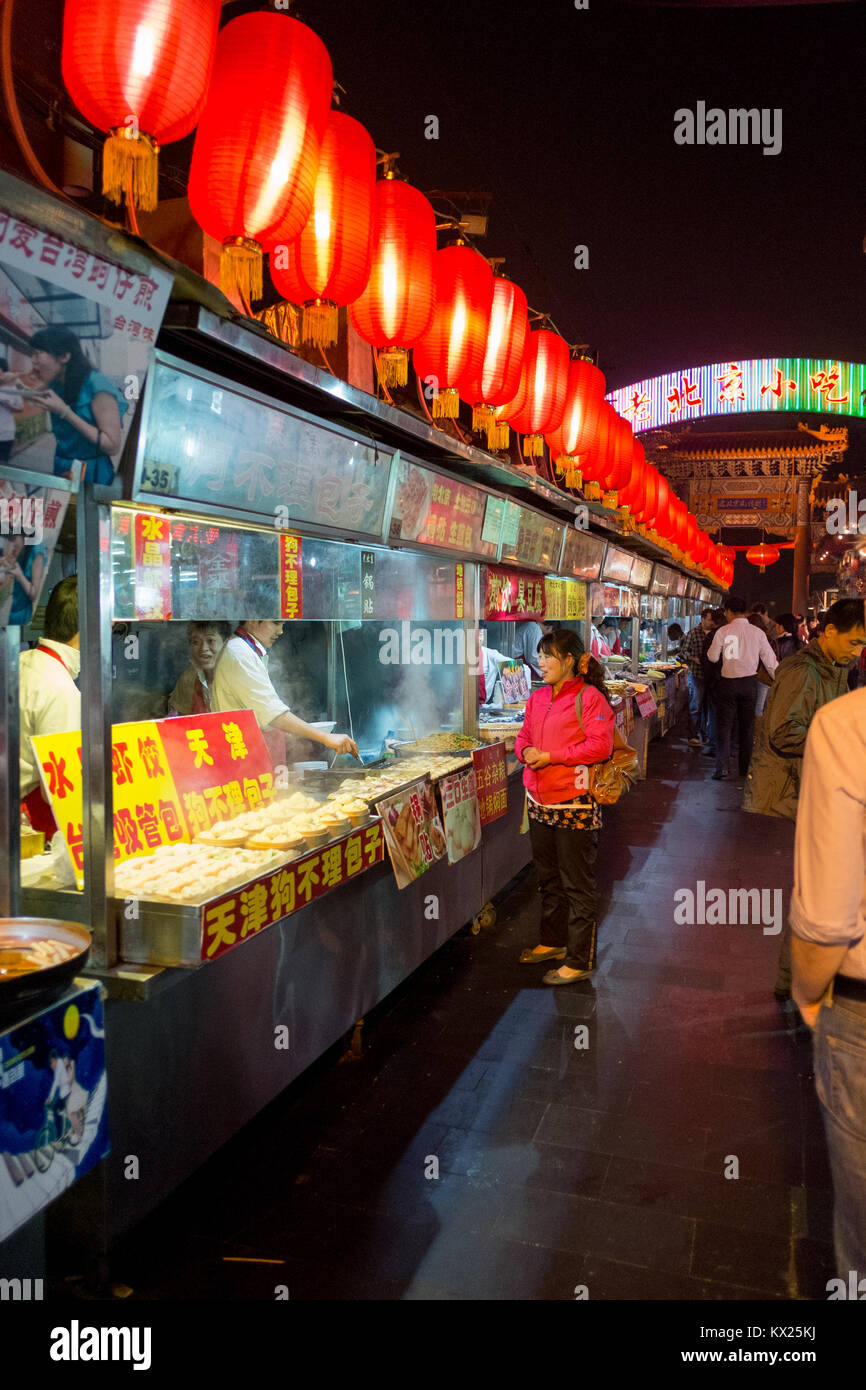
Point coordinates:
[[49, 699], [741, 648], [241, 681]]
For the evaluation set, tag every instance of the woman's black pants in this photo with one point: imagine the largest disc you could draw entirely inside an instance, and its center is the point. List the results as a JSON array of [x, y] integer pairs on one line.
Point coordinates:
[[565, 862]]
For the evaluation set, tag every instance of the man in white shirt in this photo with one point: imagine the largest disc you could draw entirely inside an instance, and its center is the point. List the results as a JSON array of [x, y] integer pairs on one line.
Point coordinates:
[[741, 648], [48, 698], [241, 681], [828, 951]]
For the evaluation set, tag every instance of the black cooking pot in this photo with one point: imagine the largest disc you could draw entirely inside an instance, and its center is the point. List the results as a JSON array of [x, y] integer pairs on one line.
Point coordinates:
[[38, 986]]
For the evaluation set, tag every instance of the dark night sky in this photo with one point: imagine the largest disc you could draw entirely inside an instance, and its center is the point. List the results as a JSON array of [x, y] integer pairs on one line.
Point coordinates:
[[696, 254]]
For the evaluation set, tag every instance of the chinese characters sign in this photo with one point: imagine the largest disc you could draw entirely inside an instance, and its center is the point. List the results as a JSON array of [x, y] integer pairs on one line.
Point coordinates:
[[170, 780], [458, 591], [291, 591], [460, 814], [491, 781], [730, 388], [413, 831], [146, 810], [220, 763], [438, 511], [115, 314], [240, 915], [368, 583], [510, 594], [152, 566]]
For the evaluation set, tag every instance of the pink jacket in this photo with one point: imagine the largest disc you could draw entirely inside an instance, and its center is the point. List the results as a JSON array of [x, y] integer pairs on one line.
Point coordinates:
[[550, 725]]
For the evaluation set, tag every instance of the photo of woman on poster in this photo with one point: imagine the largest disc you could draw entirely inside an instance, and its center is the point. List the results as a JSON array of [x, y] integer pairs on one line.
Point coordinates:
[[22, 569], [86, 407]]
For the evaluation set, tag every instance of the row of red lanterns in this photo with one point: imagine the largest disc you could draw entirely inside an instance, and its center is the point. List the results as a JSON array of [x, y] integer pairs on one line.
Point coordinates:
[[274, 169]]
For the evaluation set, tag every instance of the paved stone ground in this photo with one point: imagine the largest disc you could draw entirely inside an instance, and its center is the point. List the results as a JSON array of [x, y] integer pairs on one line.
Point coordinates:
[[602, 1165]]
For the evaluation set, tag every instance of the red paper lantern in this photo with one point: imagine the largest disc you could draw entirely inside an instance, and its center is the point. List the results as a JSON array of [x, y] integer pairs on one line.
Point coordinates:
[[762, 555], [397, 305], [328, 264], [453, 345], [619, 458], [597, 463], [139, 70], [546, 369], [498, 379], [647, 513], [256, 152], [633, 494], [584, 396]]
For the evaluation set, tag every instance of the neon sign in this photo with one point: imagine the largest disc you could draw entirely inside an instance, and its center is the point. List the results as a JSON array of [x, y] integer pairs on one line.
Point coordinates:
[[816, 385]]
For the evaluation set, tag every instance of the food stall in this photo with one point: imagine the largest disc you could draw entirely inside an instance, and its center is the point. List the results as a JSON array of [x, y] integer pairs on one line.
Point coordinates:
[[248, 908]]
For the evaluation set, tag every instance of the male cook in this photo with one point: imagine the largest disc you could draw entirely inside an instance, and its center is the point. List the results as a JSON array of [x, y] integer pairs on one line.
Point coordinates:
[[241, 681]]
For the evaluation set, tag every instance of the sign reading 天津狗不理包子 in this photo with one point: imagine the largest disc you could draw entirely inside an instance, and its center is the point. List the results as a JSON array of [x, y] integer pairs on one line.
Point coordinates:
[[819, 385]]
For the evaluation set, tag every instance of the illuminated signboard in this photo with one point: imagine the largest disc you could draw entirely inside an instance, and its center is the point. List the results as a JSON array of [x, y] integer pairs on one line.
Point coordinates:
[[818, 385]]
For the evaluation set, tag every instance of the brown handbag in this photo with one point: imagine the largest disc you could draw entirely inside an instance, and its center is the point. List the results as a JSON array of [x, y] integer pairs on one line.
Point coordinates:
[[609, 779]]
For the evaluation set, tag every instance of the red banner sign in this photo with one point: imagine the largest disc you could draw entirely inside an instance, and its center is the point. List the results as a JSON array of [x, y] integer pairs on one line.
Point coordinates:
[[221, 764], [492, 781], [512, 594], [239, 915], [291, 591], [152, 566]]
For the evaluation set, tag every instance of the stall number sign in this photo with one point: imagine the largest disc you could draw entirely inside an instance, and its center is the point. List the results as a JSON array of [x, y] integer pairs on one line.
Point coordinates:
[[460, 814], [238, 916], [291, 591], [491, 781], [458, 591], [368, 583], [219, 760]]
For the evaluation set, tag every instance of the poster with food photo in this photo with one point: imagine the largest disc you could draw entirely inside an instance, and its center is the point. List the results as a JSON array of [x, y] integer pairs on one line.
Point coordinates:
[[413, 830], [460, 814]]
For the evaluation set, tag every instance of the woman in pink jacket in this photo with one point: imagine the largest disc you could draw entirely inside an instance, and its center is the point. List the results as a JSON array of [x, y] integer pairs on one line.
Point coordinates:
[[564, 821]]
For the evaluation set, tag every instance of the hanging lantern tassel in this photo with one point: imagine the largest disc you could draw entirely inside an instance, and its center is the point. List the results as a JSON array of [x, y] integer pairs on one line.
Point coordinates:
[[241, 268], [533, 445], [498, 435], [446, 404], [393, 366], [321, 323], [592, 491], [483, 418], [130, 167]]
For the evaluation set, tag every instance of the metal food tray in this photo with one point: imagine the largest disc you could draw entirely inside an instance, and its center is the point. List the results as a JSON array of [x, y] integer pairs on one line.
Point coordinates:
[[311, 780], [166, 933]]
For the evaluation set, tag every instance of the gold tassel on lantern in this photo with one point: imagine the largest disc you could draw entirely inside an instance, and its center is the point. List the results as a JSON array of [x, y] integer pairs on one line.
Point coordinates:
[[483, 418], [609, 500], [241, 268], [573, 478], [321, 323], [130, 168], [446, 404], [592, 492], [533, 446], [498, 435], [393, 363]]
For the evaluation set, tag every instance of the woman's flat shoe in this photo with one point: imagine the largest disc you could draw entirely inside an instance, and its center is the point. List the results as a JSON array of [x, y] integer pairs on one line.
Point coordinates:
[[553, 977], [552, 953]]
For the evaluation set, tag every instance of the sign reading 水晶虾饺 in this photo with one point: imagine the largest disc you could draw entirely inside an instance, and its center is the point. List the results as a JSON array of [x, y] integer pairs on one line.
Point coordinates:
[[812, 385]]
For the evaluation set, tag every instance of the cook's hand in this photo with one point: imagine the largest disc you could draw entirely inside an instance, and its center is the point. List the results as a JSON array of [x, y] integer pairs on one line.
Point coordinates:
[[341, 743]]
